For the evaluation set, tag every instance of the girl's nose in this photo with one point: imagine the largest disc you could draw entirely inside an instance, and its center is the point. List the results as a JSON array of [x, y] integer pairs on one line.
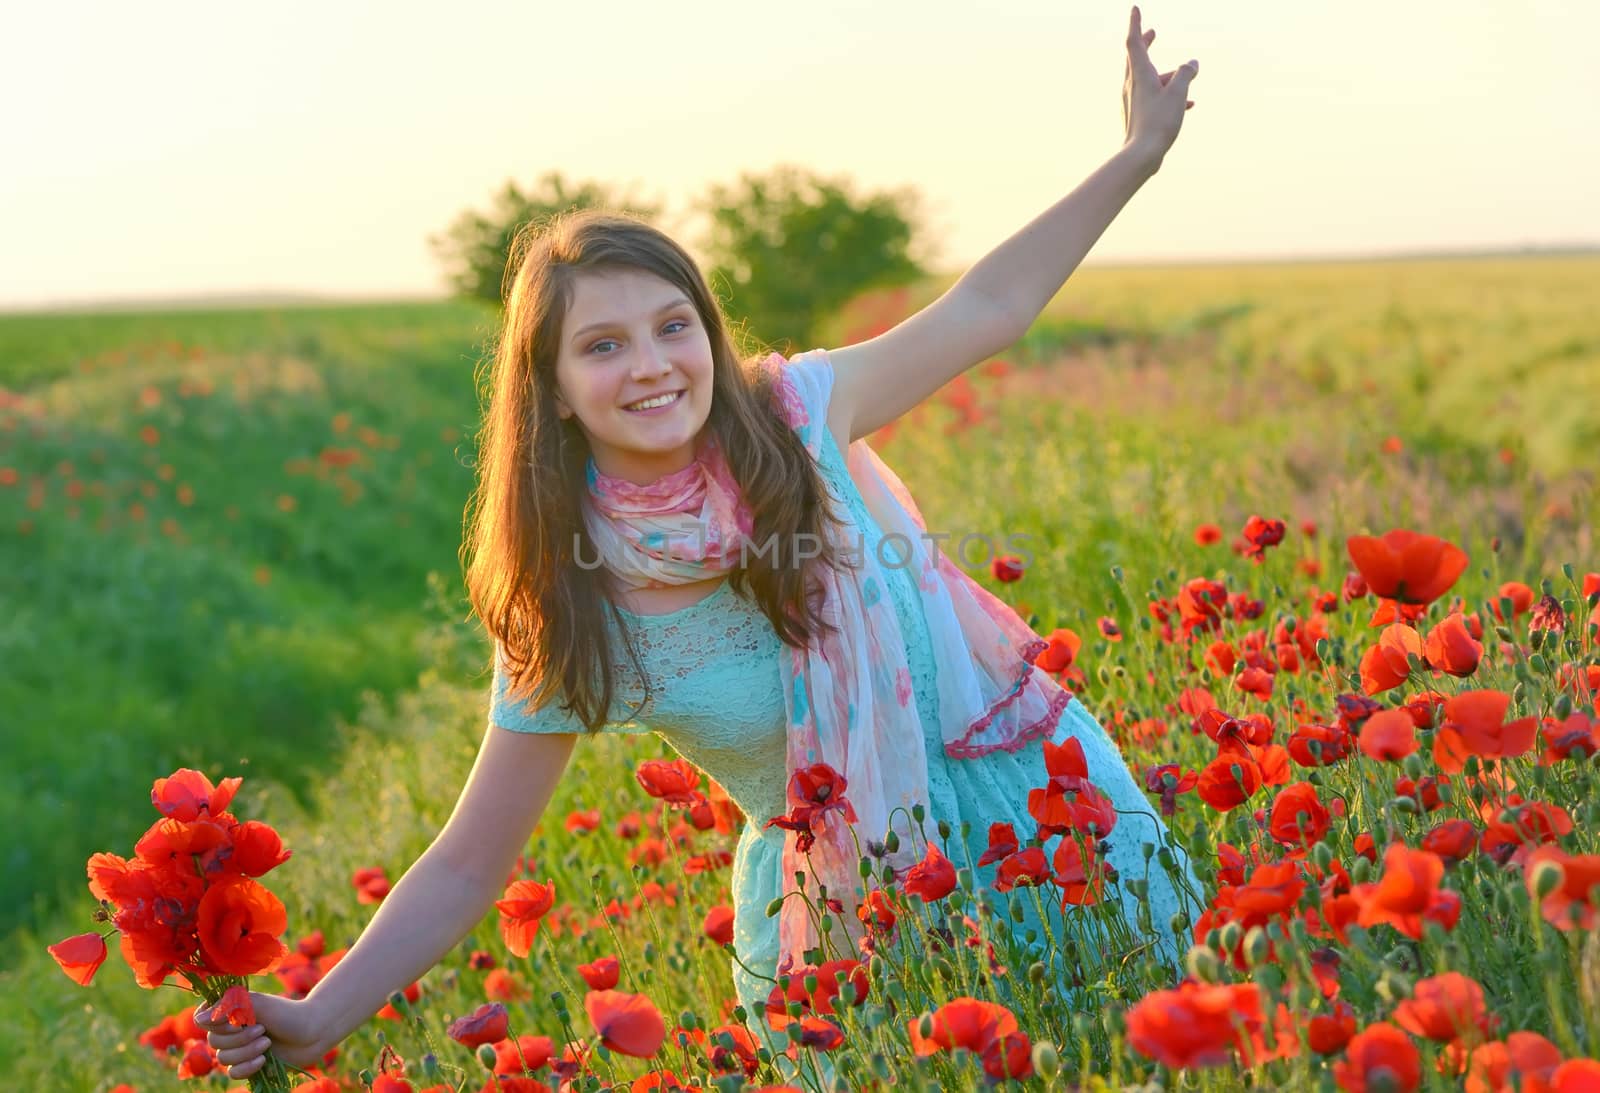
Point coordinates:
[[650, 361]]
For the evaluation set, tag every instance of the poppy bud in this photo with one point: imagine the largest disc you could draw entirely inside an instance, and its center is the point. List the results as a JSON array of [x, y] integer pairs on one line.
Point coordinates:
[[864, 867], [925, 1025], [944, 830], [1046, 1063], [1231, 935], [1202, 963], [891, 842], [1546, 878], [486, 1055], [1256, 946], [918, 813], [774, 907]]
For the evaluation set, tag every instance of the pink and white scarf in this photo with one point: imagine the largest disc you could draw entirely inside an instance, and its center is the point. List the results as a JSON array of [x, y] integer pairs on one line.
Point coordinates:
[[849, 699]]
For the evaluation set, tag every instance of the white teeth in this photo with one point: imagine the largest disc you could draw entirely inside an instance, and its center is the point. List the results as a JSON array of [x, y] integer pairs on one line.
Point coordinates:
[[659, 400]]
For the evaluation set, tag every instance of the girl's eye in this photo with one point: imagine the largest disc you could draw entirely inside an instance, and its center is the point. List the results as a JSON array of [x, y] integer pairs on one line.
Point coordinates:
[[608, 341]]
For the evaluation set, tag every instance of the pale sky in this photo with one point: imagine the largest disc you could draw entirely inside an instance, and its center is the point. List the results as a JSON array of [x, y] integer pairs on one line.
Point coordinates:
[[181, 147]]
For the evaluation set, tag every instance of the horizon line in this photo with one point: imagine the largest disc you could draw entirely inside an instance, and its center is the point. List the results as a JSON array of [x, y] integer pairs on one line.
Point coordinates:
[[272, 297]]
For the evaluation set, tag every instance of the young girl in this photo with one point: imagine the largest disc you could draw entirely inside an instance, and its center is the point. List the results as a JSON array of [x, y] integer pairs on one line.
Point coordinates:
[[671, 538]]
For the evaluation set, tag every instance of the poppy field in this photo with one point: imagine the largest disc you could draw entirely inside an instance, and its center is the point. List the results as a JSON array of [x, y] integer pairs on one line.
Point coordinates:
[[1314, 543]]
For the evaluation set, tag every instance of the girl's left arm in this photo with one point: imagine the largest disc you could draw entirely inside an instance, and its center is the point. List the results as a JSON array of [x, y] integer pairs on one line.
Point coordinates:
[[995, 301]]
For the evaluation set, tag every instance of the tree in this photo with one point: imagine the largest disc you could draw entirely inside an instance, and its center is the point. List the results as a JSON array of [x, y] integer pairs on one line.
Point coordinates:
[[791, 247], [475, 247]]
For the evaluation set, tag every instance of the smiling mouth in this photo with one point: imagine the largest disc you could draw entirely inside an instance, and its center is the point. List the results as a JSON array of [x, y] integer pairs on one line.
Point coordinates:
[[654, 401]]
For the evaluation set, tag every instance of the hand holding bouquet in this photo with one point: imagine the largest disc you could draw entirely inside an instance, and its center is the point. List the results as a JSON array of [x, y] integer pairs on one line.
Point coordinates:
[[187, 905]]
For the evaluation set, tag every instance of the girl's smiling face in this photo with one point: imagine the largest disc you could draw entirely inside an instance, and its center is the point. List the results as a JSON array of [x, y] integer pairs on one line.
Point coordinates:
[[630, 336]]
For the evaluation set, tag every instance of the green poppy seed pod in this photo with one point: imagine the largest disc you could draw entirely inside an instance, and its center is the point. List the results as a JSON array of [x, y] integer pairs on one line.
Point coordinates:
[[957, 899], [1504, 632], [740, 1015], [1405, 804], [1103, 675], [944, 830], [1256, 946], [879, 1062], [774, 907], [1537, 661], [864, 868], [1536, 641], [398, 1001], [1322, 855], [486, 1055], [1179, 923], [1036, 973], [688, 1020], [1046, 1063], [810, 982], [1147, 850], [1324, 649], [878, 966], [1165, 856], [1232, 933], [1412, 765], [891, 842], [1138, 886], [1203, 964], [1563, 708], [918, 813], [365, 1076], [925, 1025], [1361, 869], [1547, 877]]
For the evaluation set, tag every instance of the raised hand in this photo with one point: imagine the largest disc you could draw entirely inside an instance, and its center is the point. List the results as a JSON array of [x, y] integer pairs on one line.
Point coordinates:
[[1153, 103]]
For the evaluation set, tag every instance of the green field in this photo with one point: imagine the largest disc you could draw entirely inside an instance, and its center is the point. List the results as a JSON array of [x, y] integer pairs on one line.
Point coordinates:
[[230, 543]]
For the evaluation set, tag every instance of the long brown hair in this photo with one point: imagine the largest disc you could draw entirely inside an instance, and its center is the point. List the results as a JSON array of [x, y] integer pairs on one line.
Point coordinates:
[[525, 518]]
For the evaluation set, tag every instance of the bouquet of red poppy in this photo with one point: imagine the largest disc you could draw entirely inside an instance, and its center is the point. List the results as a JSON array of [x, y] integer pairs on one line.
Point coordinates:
[[186, 905]]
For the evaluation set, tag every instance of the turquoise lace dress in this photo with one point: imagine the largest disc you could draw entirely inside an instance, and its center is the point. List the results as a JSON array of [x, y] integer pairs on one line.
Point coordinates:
[[717, 698]]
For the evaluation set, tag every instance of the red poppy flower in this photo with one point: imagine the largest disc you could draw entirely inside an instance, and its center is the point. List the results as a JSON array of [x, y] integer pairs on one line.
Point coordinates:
[[602, 974], [1406, 566], [987, 1029], [1195, 1025], [1328, 1033], [1298, 817], [1259, 534], [1230, 779], [877, 912], [521, 907], [819, 1033], [1571, 904], [239, 923], [1452, 840], [627, 1023], [80, 957], [1408, 893], [1069, 801], [1451, 648], [1474, 724], [1444, 1008], [524, 1055], [1531, 1057], [1078, 872], [718, 925], [1389, 735], [1007, 568], [1318, 745], [1379, 1057], [1578, 736], [1002, 843], [371, 884], [933, 878], [1520, 595], [234, 1007], [1207, 534], [1026, 867], [1387, 663], [485, 1025], [188, 794], [671, 780]]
